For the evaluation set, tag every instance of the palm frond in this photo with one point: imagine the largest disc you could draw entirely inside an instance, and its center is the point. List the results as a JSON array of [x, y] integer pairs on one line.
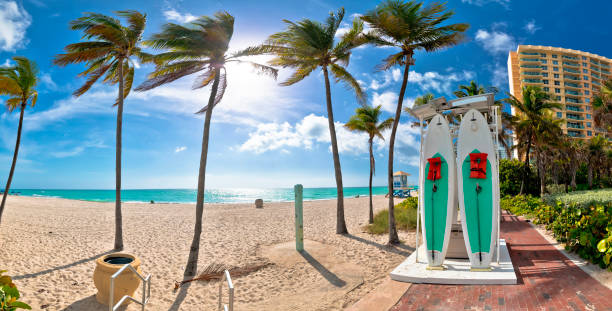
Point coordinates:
[[341, 75]]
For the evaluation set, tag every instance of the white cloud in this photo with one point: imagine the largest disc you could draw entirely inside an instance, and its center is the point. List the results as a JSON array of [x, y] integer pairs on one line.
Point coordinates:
[[45, 79], [313, 129], [174, 16], [440, 83], [397, 74], [180, 148], [388, 101], [495, 41], [499, 75], [386, 79], [531, 27], [7, 63], [504, 3], [14, 20], [74, 151]]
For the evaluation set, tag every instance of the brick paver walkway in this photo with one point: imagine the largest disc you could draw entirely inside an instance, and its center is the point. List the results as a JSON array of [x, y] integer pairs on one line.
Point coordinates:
[[547, 280]]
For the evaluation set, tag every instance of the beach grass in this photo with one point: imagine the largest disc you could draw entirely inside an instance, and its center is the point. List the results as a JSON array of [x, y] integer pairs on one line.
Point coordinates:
[[405, 217]]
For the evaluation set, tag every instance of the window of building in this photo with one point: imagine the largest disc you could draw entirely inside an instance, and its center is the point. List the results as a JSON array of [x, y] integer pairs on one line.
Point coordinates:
[[559, 115], [585, 71], [555, 62], [556, 75], [589, 133], [543, 61], [554, 56], [543, 54], [557, 90], [555, 68], [586, 78], [545, 74], [586, 85], [588, 100], [588, 107], [583, 57], [586, 92], [588, 116], [557, 98], [545, 82], [588, 124], [544, 67], [546, 89], [557, 83], [584, 64]]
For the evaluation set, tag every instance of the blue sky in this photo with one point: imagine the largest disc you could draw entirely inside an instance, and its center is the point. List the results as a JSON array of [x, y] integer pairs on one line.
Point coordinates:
[[263, 135]]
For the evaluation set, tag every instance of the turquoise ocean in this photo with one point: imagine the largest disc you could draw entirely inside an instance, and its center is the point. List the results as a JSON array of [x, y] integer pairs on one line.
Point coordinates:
[[235, 195]]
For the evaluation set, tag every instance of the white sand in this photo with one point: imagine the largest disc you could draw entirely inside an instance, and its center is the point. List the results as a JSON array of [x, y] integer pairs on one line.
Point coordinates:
[[49, 247]]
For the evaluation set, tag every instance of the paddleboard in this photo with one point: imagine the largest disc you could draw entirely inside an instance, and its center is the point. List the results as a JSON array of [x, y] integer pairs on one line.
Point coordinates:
[[437, 192], [478, 188]]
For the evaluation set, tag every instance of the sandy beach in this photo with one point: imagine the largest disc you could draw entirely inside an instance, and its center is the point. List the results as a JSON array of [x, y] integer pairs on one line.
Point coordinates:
[[49, 246]]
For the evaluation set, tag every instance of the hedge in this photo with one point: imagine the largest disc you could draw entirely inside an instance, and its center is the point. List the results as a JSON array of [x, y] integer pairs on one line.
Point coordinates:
[[584, 225]]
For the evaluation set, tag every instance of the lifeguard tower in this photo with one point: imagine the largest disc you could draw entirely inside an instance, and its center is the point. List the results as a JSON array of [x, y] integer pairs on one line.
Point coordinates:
[[400, 185]]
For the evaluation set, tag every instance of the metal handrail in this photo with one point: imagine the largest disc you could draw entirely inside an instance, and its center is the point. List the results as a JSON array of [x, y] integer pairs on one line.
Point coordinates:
[[230, 288], [146, 289]]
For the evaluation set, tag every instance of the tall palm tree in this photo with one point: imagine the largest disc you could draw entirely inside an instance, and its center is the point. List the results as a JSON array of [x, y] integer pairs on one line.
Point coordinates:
[[366, 120], [200, 46], [596, 156], [532, 108], [546, 140], [110, 53], [19, 83], [308, 45], [408, 26], [602, 104]]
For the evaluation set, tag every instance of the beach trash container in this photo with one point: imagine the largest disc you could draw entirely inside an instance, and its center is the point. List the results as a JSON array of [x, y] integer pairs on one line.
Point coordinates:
[[125, 284], [259, 203]]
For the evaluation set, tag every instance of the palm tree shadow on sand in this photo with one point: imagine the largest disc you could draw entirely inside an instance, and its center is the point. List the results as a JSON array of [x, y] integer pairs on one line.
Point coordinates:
[[90, 304], [62, 267], [400, 249]]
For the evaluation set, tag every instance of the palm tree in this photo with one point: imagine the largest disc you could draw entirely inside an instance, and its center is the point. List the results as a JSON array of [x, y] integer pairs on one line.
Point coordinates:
[[408, 26], [366, 120], [546, 140], [110, 53], [532, 109], [596, 155], [473, 89], [200, 46], [18, 82], [421, 100], [306, 46], [602, 104]]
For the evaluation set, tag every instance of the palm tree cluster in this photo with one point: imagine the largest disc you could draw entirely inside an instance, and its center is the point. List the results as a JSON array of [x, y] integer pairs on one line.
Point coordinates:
[[111, 48]]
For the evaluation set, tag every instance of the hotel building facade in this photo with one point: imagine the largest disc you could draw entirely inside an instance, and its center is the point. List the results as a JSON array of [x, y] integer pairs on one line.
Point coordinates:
[[570, 76]]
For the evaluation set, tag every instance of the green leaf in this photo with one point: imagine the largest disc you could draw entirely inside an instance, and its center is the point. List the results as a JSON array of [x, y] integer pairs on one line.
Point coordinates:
[[602, 246], [606, 258], [21, 305]]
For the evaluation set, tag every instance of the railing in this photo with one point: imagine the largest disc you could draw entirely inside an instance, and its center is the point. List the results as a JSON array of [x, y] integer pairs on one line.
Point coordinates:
[[575, 126], [571, 78], [530, 59], [595, 75], [572, 100], [575, 85], [532, 80], [230, 288], [595, 69], [569, 116], [570, 57], [529, 53], [571, 64], [531, 73], [595, 82], [572, 92], [146, 289], [571, 70], [572, 108], [531, 66]]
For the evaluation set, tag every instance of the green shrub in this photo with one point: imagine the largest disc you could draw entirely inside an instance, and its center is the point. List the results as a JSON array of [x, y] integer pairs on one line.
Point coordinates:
[[9, 295], [583, 198], [405, 217], [584, 224], [511, 175]]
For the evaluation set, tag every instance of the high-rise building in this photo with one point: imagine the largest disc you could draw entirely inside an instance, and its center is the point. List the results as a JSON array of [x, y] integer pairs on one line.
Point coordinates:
[[570, 76]]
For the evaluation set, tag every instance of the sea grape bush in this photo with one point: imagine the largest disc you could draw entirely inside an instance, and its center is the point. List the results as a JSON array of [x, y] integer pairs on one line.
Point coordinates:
[[9, 295], [584, 224]]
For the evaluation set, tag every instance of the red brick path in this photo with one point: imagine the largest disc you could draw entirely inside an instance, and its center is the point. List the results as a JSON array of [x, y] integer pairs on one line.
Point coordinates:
[[547, 280]]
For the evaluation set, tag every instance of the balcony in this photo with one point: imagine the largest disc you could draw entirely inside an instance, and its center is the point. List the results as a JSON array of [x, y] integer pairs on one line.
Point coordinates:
[[595, 69], [570, 57], [530, 53], [605, 65], [572, 100], [605, 72], [530, 59], [573, 108], [575, 125], [531, 73], [594, 62], [571, 64], [574, 85], [574, 134], [575, 117], [572, 93], [571, 78], [571, 70], [532, 80], [595, 82], [596, 75], [531, 66]]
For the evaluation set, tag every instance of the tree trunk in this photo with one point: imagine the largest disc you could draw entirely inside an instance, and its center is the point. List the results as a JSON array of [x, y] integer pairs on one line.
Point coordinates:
[[192, 263], [372, 165], [574, 170], [590, 176], [393, 238], [526, 168], [10, 176], [118, 217], [340, 223], [541, 173]]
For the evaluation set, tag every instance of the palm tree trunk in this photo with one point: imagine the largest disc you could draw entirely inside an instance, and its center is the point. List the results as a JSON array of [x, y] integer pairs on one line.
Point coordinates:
[[526, 167], [541, 173], [340, 223], [372, 164], [574, 170], [118, 217], [393, 238], [590, 176], [192, 263], [10, 176]]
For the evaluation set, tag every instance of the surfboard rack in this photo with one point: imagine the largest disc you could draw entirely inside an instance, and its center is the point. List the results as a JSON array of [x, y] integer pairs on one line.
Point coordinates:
[[485, 104]]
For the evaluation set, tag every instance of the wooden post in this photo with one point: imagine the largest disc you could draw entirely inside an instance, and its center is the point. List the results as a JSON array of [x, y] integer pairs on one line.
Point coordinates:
[[299, 218]]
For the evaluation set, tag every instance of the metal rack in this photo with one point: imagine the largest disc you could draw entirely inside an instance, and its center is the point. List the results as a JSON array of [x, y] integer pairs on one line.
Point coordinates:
[[230, 289], [457, 107], [146, 289]]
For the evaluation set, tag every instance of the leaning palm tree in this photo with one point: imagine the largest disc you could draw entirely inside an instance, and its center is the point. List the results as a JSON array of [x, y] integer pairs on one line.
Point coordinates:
[[532, 108], [408, 26], [200, 46], [306, 46], [19, 83], [366, 120], [602, 104], [110, 53]]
